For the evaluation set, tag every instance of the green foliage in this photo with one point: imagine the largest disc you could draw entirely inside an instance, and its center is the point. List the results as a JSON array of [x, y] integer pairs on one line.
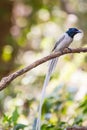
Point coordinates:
[[7, 119], [54, 112], [83, 105], [11, 122], [15, 116], [19, 126]]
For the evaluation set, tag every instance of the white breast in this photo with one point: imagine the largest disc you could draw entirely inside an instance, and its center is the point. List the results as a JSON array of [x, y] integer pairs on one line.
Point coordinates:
[[64, 43]]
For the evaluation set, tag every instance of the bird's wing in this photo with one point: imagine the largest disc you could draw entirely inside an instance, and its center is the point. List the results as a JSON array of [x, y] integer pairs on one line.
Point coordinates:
[[58, 42]]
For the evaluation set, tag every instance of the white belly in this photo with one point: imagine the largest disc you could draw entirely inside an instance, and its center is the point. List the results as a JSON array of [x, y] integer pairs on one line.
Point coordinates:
[[64, 43]]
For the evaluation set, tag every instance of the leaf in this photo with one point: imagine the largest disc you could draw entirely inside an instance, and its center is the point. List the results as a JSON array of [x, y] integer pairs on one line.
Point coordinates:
[[47, 127], [19, 126], [15, 116], [7, 119]]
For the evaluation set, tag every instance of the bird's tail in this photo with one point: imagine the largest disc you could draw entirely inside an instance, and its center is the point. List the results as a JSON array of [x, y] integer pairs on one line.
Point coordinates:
[[52, 66]]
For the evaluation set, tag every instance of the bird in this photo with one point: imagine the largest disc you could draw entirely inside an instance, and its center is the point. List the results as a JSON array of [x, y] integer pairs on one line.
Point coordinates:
[[64, 41]]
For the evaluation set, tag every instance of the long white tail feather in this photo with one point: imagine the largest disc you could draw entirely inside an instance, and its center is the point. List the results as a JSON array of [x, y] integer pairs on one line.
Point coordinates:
[[52, 66]]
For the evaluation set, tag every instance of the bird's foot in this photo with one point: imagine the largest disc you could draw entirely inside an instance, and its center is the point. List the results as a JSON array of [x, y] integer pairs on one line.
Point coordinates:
[[69, 49]]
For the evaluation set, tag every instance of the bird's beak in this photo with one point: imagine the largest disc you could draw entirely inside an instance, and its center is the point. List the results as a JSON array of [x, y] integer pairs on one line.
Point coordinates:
[[79, 31]]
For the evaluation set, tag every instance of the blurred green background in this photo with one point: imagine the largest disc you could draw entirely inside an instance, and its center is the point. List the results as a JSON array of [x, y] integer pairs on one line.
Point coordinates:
[[28, 31]]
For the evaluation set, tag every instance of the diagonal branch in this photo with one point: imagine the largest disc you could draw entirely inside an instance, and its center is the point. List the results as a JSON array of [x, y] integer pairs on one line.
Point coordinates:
[[6, 80]]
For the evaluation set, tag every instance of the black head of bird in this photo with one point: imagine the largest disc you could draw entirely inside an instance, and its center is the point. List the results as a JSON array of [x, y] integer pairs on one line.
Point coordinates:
[[72, 32]]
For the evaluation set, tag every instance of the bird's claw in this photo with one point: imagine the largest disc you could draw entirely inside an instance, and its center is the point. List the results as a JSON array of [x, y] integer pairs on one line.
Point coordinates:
[[69, 49]]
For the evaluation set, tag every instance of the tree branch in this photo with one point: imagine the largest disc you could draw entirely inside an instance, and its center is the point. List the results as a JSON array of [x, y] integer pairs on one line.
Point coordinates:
[[77, 128], [6, 80]]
